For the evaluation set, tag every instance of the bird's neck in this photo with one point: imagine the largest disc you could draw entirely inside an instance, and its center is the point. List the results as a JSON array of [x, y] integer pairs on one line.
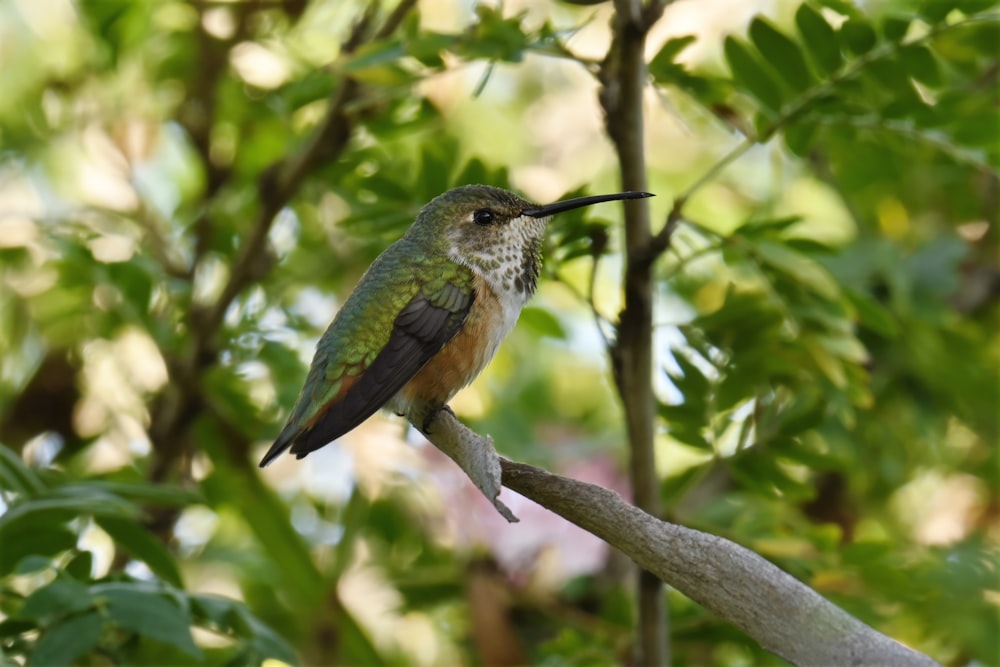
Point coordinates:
[[511, 271]]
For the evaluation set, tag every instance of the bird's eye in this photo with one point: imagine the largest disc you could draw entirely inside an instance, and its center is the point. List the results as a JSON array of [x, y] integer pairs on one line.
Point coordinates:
[[483, 217]]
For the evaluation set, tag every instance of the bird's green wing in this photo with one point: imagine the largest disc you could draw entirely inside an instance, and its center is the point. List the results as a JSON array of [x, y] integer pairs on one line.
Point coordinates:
[[358, 368]]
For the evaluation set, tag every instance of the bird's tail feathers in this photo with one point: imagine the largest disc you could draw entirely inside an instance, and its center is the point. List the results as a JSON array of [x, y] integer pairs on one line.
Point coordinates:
[[284, 440]]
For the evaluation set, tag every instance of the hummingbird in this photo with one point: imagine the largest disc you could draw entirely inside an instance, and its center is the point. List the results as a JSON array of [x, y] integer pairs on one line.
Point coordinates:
[[427, 316]]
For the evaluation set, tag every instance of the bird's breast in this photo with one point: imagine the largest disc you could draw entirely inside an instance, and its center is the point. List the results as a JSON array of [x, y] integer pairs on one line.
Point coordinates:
[[490, 319]]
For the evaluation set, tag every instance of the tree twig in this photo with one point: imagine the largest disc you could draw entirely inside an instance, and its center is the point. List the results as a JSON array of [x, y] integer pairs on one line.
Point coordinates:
[[623, 78]]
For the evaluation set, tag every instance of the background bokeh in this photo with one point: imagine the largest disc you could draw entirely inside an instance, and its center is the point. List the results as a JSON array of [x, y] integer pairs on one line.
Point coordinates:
[[177, 228]]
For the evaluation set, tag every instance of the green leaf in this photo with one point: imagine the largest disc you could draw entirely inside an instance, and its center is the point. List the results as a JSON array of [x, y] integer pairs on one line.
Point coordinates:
[[372, 56], [495, 37], [10, 628], [165, 495], [317, 84], [142, 545], [872, 314], [65, 503], [847, 348], [782, 54], [665, 71], [749, 74], [265, 641], [935, 11], [543, 323], [147, 613], [664, 58], [16, 476], [65, 642], [826, 361], [691, 382], [804, 411], [60, 597], [427, 47], [843, 7], [894, 27], [800, 138], [798, 267], [858, 36], [32, 565], [355, 642], [218, 610], [768, 226], [29, 539], [819, 39], [970, 7], [81, 566], [685, 423], [922, 65], [892, 77]]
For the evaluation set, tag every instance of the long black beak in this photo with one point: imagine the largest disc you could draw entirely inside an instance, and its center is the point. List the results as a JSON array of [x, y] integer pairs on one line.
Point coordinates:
[[570, 204]]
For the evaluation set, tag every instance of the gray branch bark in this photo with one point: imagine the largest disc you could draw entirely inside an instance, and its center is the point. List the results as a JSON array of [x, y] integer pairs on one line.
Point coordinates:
[[782, 614], [623, 78]]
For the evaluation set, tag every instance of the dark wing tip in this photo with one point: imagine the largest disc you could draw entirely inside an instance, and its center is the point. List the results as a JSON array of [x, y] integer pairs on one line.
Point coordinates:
[[281, 443]]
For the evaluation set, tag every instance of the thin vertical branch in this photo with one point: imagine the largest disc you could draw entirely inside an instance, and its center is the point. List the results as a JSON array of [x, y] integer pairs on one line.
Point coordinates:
[[623, 76]]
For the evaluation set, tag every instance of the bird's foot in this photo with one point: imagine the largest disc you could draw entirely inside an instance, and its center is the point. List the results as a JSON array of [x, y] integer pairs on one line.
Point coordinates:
[[432, 415]]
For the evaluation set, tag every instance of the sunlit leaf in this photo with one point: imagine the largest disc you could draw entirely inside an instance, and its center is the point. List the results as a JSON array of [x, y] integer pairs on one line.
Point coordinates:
[[751, 75], [798, 267], [818, 38], [782, 54], [542, 322]]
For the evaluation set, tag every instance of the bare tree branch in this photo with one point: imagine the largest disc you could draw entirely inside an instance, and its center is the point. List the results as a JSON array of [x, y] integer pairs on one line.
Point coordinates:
[[781, 613]]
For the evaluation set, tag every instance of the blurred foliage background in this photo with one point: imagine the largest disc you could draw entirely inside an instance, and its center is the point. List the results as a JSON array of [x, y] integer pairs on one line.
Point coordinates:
[[189, 189]]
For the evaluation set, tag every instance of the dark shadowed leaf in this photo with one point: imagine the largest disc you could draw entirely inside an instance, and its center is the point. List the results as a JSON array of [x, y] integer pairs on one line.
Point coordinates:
[[26, 538], [65, 642], [148, 613], [142, 545], [16, 476], [800, 268], [922, 65], [800, 138], [858, 36], [872, 314], [894, 27], [81, 566], [936, 10], [62, 596]]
